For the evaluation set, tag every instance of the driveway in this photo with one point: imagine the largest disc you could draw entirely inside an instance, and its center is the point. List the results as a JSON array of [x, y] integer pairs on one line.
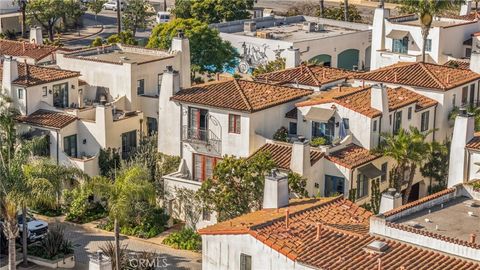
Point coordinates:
[[87, 243]]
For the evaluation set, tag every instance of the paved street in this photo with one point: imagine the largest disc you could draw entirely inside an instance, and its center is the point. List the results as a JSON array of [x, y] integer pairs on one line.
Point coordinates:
[[86, 243]]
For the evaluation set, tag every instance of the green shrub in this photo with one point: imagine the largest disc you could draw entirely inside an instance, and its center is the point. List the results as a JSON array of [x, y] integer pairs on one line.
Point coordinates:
[[97, 42], [53, 246], [317, 141], [186, 239], [80, 207], [281, 135], [46, 210]]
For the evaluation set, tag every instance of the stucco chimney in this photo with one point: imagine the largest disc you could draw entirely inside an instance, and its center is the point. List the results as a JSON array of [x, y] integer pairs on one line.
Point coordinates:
[[300, 160], [275, 191], [391, 199], [379, 97], [36, 36], [170, 82], [466, 7], [292, 57], [378, 35], [10, 73], [462, 134], [181, 44]]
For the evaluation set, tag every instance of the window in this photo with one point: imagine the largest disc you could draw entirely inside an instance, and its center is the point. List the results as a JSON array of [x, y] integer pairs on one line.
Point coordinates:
[[70, 145], [60, 95], [362, 186], [44, 91], [197, 124], [21, 93], [454, 100], [428, 45], [425, 121], [390, 119], [346, 123], [472, 95], [141, 87], [205, 214], [234, 123], [398, 122], [129, 143], [409, 113], [203, 167], [159, 83], [292, 128], [383, 178], [374, 125], [464, 95], [400, 45], [321, 129], [468, 52], [152, 126], [334, 185], [245, 262]]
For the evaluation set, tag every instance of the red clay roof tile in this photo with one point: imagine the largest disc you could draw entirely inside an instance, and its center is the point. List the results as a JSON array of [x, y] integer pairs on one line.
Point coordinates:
[[49, 119], [40, 75], [25, 49], [282, 153]]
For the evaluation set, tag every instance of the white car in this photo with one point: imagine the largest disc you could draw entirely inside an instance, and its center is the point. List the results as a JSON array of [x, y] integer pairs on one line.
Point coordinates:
[[37, 229], [112, 5], [163, 17]]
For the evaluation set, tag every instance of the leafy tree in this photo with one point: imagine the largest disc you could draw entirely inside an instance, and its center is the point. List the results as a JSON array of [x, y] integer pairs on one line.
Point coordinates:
[[426, 10], [340, 13], [297, 184], [470, 109], [407, 148], [209, 53], [96, 6], [213, 11], [236, 187], [125, 37], [137, 15], [281, 135], [129, 187], [97, 42], [270, 66], [72, 12], [108, 161], [22, 4], [436, 164], [46, 13]]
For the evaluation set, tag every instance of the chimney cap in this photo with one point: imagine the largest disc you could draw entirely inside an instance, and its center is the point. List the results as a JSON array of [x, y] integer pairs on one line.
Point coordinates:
[[180, 34], [169, 69]]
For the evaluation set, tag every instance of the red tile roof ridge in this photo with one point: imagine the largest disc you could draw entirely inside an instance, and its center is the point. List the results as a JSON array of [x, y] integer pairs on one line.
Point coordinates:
[[418, 202], [313, 101], [433, 235], [242, 94], [433, 76], [307, 67]]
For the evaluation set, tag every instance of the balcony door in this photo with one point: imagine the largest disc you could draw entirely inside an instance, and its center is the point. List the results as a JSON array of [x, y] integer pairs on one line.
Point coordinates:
[[334, 185], [129, 143], [60, 95], [197, 124]]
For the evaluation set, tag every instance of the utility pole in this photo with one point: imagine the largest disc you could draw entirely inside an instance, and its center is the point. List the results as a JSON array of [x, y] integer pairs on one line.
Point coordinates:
[[346, 11], [119, 18], [322, 8]]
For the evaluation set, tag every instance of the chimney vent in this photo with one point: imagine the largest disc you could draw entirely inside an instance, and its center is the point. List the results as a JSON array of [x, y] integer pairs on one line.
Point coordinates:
[[169, 68], [319, 231], [180, 34], [473, 238], [287, 216], [376, 247], [275, 190]]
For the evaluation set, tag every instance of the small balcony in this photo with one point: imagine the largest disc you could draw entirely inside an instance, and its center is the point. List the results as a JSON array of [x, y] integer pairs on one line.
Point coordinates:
[[201, 136]]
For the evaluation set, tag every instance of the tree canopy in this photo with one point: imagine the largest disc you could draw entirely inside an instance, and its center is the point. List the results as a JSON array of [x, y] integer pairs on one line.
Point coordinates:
[[209, 53], [138, 14], [213, 11]]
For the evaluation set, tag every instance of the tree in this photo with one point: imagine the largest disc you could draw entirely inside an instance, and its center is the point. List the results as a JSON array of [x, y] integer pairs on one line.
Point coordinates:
[[209, 53], [297, 184], [125, 37], [47, 13], [72, 12], [131, 185], [346, 15], [22, 4], [137, 15], [96, 7], [236, 187], [270, 66], [407, 148], [426, 10], [436, 165], [322, 8], [338, 13], [213, 11]]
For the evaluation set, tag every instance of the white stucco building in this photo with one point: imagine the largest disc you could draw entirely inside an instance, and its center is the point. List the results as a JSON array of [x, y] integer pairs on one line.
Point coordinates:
[[334, 43]]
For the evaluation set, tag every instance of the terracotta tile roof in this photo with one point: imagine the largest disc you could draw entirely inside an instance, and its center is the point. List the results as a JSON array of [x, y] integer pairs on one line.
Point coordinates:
[[39, 75], [352, 156], [25, 49], [292, 114], [282, 153], [343, 238], [311, 75], [474, 143], [358, 99], [49, 119], [240, 95], [421, 75], [418, 202], [457, 64]]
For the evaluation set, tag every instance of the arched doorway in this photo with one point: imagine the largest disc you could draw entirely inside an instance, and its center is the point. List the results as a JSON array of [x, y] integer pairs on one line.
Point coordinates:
[[324, 59], [368, 56], [348, 59]]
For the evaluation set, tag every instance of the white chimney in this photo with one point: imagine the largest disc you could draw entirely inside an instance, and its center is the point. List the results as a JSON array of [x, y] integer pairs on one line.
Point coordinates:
[[181, 44], [170, 82], [275, 193], [475, 55], [292, 57], [391, 199], [300, 160], [378, 36], [99, 261], [10, 73], [379, 97], [462, 134], [36, 36], [466, 7]]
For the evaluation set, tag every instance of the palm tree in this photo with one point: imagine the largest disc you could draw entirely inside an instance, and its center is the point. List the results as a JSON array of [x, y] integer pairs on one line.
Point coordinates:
[[8, 210], [119, 17], [435, 166], [345, 15], [322, 8], [426, 10], [407, 148], [130, 186]]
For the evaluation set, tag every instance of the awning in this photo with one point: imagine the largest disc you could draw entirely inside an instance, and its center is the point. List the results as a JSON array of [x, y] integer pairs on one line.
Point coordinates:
[[397, 34], [319, 114], [370, 171]]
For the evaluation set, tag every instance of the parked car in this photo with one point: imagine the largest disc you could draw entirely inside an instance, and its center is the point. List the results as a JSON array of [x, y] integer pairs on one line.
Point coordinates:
[[112, 5], [37, 229], [163, 17]]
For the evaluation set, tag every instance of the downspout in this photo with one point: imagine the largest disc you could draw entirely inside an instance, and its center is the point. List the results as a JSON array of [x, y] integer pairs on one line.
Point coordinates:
[[58, 146], [181, 129], [467, 159], [351, 181], [380, 128], [26, 101], [434, 122]]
